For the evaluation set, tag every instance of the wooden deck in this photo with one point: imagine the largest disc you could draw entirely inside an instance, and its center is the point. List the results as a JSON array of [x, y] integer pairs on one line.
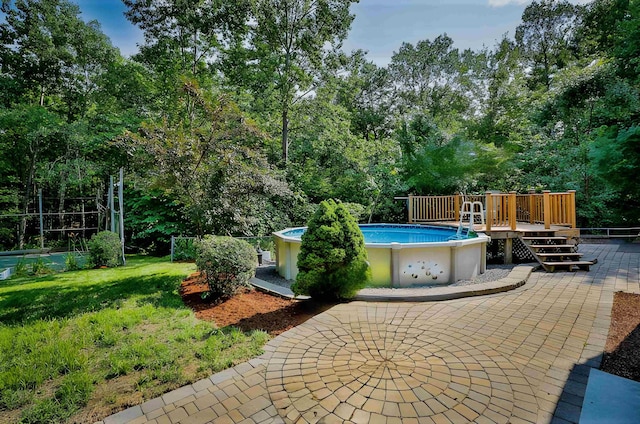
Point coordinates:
[[503, 232], [507, 217], [508, 235]]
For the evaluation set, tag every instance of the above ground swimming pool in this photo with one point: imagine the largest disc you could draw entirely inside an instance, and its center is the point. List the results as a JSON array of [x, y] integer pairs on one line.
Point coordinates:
[[402, 255]]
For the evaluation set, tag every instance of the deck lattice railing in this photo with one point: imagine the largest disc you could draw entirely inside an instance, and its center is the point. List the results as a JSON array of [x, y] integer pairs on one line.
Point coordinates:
[[501, 209]]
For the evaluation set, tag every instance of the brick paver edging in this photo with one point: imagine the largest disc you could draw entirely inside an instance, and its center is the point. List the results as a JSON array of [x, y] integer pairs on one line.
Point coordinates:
[[516, 278], [198, 394]]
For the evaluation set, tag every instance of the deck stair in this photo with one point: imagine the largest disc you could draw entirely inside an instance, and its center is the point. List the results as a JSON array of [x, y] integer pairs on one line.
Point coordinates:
[[555, 252]]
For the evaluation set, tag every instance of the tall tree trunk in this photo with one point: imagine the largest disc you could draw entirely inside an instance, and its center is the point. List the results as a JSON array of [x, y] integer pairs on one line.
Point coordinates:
[[23, 227], [285, 133], [285, 90], [25, 201], [62, 198]]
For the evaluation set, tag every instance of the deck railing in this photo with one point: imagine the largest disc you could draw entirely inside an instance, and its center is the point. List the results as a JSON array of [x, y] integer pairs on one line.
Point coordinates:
[[433, 208], [501, 209]]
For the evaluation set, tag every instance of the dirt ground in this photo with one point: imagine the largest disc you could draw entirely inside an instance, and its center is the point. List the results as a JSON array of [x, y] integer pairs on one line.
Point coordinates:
[[251, 310], [622, 351]]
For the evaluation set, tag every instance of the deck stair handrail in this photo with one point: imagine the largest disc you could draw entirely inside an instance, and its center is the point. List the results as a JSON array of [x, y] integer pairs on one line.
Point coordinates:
[[501, 209]]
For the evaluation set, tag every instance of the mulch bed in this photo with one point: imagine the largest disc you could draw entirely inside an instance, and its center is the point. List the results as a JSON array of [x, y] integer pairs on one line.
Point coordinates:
[[248, 310], [622, 350]]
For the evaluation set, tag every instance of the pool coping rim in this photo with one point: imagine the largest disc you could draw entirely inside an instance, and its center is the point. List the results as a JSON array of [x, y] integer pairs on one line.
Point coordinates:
[[481, 237], [516, 278]]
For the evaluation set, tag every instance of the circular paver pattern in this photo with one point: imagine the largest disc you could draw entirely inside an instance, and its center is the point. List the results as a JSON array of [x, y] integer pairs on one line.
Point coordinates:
[[392, 364]]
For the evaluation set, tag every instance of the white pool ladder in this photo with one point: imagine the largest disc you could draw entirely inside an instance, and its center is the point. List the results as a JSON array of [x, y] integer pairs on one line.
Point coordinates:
[[471, 209]]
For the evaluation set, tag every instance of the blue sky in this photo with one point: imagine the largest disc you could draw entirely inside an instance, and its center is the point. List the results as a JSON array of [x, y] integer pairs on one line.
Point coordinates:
[[109, 13], [380, 26]]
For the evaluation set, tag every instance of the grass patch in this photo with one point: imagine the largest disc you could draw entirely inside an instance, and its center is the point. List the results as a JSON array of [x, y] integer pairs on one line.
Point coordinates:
[[80, 345]]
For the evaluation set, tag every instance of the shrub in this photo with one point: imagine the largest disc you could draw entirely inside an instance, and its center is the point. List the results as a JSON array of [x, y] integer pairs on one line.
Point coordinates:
[[21, 269], [357, 211], [226, 263], [105, 249], [332, 263], [183, 249], [71, 262], [39, 267]]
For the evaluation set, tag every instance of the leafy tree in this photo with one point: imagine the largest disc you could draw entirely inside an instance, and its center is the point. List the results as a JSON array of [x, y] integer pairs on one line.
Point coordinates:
[[293, 39], [51, 55], [616, 153], [586, 101], [53, 65], [332, 262], [502, 96], [600, 19], [429, 80], [9, 204], [193, 30], [627, 46], [125, 93], [366, 92], [29, 136], [213, 167], [183, 39], [152, 218], [327, 160], [431, 164], [544, 38]]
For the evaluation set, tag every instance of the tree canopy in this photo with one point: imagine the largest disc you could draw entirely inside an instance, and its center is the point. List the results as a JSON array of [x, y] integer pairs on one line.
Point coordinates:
[[240, 117]]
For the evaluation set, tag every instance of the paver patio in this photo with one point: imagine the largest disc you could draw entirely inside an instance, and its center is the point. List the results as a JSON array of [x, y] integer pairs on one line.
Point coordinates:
[[517, 357]]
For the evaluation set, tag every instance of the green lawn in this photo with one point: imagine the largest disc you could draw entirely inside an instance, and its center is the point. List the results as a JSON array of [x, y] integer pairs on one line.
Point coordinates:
[[79, 345]]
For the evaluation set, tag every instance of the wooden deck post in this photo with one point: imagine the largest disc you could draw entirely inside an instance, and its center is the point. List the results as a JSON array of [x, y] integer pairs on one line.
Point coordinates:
[[572, 208], [489, 210], [531, 205], [456, 207], [546, 205], [508, 251], [410, 208], [512, 210]]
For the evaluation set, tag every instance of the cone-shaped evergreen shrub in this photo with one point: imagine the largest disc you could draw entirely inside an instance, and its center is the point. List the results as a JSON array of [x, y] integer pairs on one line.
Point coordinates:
[[332, 263]]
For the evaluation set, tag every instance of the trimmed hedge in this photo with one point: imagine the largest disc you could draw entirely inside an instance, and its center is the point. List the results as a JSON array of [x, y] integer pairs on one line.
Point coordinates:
[[227, 264], [332, 264]]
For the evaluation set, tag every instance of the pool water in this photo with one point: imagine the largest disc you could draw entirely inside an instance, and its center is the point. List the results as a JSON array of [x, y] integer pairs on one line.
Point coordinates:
[[389, 233]]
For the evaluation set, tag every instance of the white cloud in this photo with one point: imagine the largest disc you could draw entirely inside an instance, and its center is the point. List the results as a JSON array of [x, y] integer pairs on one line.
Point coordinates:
[[500, 3]]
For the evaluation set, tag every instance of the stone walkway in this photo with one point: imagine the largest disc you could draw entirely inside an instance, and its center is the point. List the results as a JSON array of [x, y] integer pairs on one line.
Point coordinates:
[[521, 356]]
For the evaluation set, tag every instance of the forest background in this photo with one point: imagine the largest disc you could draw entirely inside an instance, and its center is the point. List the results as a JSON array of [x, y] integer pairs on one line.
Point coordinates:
[[239, 117]]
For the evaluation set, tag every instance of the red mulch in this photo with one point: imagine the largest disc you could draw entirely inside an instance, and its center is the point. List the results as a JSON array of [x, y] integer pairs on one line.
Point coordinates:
[[248, 310], [622, 350]]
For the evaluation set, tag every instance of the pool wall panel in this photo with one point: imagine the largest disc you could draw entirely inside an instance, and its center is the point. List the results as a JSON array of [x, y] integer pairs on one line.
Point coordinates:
[[380, 262], [466, 262], [424, 265]]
